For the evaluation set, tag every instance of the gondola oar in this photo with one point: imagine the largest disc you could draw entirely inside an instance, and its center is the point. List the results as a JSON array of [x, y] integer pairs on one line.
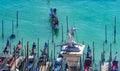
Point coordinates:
[[2, 29]]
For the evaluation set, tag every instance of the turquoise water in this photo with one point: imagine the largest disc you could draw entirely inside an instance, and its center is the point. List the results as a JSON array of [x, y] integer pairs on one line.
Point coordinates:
[[88, 16]]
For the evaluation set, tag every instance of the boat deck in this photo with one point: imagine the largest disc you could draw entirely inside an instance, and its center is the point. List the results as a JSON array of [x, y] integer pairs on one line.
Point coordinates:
[[45, 67]]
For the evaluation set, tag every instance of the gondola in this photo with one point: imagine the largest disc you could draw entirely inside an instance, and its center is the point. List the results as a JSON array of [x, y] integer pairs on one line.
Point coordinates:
[[4, 54], [58, 63], [31, 58], [115, 63], [54, 19], [14, 55], [114, 66], [44, 64], [88, 60], [17, 63]]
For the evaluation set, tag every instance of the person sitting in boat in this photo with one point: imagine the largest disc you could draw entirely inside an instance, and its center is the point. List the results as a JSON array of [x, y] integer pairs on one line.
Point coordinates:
[[54, 10], [7, 47], [34, 48], [89, 53], [51, 12], [115, 60], [103, 56], [1, 60], [88, 49], [45, 48], [19, 45], [86, 68], [9, 63], [55, 20]]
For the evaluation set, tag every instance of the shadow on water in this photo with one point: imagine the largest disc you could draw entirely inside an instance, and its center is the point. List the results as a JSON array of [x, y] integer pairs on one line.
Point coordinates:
[[56, 32], [48, 2]]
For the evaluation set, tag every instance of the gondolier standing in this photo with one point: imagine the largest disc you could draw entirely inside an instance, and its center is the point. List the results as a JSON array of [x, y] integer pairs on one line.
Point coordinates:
[[71, 34]]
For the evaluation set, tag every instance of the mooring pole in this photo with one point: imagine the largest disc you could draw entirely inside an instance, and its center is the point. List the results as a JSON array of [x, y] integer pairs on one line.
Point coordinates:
[[48, 50], [27, 55], [2, 29], [115, 30], [103, 47], [51, 56], [110, 51], [15, 57], [67, 24], [54, 51], [93, 52], [22, 47], [17, 19], [52, 36], [80, 64], [38, 46], [12, 27], [100, 65], [10, 46], [105, 33], [62, 34]]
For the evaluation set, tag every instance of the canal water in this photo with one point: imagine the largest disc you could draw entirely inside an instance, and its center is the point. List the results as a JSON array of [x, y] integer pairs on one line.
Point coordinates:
[[88, 16]]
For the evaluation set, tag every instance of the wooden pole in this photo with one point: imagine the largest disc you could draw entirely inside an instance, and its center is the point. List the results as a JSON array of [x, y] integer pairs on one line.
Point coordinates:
[[22, 47], [62, 33], [52, 36], [27, 55], [10, 46], [105, 33], [48, 50], [12, 27], [12, 36], [38, 46], [54, 51], [25, 51], [100, 65], [93, 52], [80, 64], [22, 41], [115, 30], [67, 24], [103, 47], [83, 51], [51, 56], [110, 52], [101, 57], [15, 57], [17, 19], [2, 28], [109, 67]]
